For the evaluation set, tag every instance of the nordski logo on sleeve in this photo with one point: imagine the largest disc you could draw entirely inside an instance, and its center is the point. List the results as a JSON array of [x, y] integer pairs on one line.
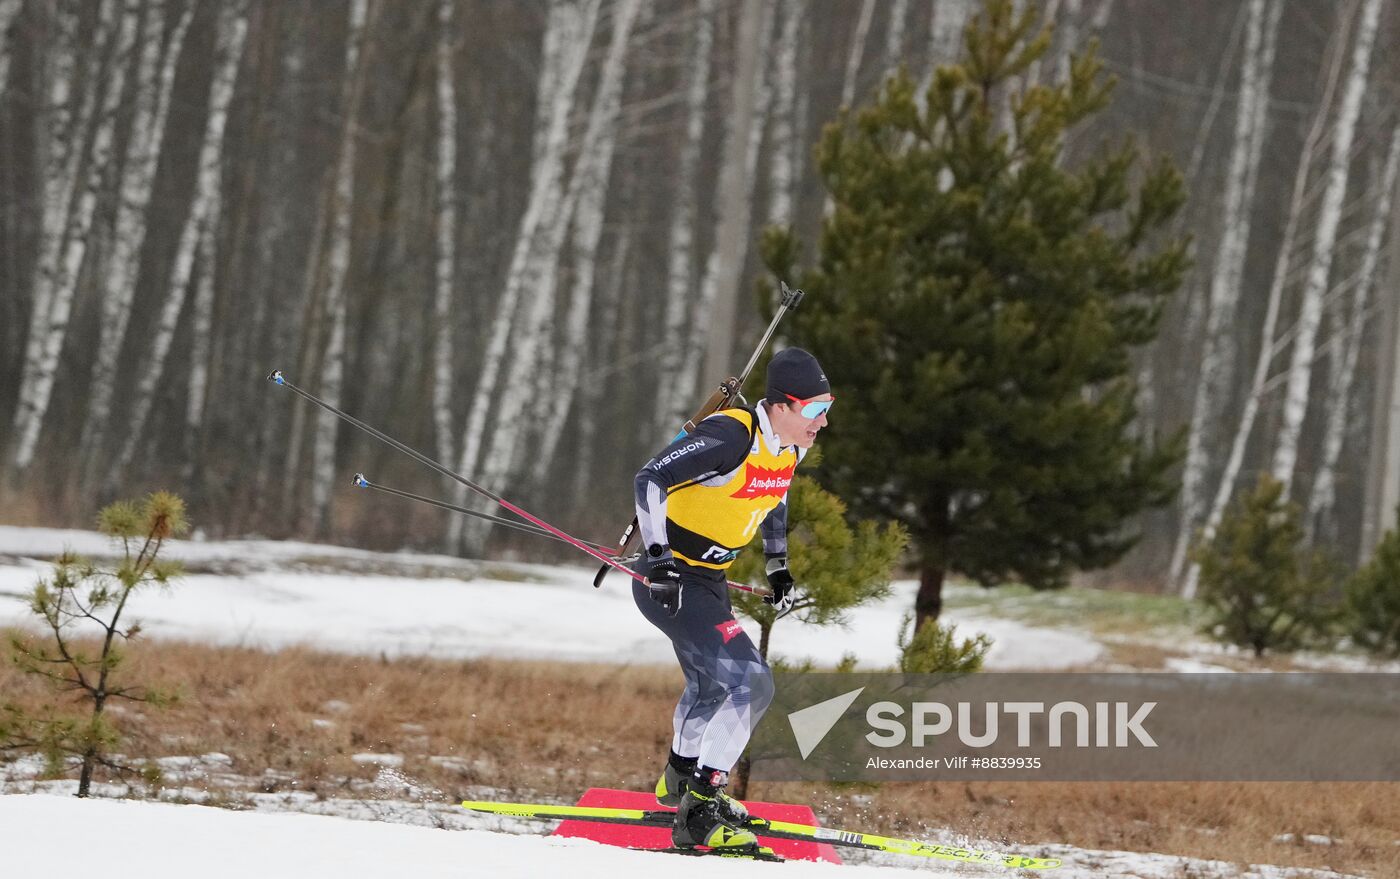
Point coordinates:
[[677, 453], [762, 482]]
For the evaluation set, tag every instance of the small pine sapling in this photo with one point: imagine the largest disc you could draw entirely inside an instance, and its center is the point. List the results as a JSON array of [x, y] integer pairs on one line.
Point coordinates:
[[935, 649], [1373, 599], [1264, 590], [80, 607]]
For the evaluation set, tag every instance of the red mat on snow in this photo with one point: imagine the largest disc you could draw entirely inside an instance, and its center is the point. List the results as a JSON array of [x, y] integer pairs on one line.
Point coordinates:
[[660, 837]]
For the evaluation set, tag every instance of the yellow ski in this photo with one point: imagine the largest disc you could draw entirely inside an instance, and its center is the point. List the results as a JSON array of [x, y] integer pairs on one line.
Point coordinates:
[[773, 830]]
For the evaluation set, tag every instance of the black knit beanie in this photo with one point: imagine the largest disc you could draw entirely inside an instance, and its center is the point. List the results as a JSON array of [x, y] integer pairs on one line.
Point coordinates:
[[796, 372]]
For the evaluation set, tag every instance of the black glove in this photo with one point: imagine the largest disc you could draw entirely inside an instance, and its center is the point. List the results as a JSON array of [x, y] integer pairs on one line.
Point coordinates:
[[781, 582], [663, 580]]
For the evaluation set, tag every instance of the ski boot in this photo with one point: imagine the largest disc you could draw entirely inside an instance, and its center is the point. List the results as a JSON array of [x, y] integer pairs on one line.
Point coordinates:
[[671, 788], [701, 819]]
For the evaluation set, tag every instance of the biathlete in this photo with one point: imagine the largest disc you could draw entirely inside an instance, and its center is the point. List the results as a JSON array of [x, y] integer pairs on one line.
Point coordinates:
[[699, 501]]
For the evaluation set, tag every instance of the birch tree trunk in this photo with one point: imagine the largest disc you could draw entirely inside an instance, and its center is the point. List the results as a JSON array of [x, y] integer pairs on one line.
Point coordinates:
[[8, 10], [715, 264], [894, 35], [76, 237], [275, 431], [589, 181], [332, 378], [801, 109], [202, 220], [446, 228], [945, 34], [594, 175], [1068, 39], [338, 266], [1339, 406], [155, 79], [1267, 348], [1203, 131], [592, 393], [312, 333], [1310, 316], [1048, 15], [560, 70], [563, 353], [53, 136], [1383, 466], [680, 253], [1101, 15], [946, 26], [783, 145], [1196, 303], [562, 27], [853, 64], [61, 147], [201, 330], [857, 53], [74, 113], [1217, 357], [720, 291], [762, 104]]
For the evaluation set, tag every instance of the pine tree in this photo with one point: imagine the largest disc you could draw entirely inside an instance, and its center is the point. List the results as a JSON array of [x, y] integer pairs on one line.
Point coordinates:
[[1264, 590], [83, 600], [1373, 599], [975, 302]]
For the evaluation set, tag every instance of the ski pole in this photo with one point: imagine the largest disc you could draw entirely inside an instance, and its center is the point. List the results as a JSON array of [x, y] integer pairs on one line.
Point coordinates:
[[723, 395], [276, 377], [359, 481]]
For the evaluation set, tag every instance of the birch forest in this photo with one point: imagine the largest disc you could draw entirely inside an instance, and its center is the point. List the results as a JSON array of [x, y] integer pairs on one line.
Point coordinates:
[[521, 236]]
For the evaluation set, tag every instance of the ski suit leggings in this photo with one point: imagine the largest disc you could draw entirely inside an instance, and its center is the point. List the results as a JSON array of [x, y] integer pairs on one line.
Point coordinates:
[[727, 684]]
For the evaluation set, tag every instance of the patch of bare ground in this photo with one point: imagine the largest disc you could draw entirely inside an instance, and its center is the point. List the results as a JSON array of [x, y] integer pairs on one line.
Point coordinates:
[[1135, 655], [537, 729]]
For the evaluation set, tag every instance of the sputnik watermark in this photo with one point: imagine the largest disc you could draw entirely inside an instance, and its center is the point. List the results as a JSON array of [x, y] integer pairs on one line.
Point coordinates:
[[877, 726], [1105, 725], [811, 724], [1108, 717]]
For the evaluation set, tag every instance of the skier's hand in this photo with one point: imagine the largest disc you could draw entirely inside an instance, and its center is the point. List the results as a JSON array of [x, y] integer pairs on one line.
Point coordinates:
[[780, 580], [664, 583]]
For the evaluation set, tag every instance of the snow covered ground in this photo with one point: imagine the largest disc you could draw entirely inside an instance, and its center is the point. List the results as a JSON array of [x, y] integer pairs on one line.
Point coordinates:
[[182, 841], [279, 593], [62, 835]]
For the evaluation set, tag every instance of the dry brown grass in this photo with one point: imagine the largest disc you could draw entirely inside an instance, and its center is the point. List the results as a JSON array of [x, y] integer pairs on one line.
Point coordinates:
[[1136, 655], [1217, 820], [552, 729], [44, 509]]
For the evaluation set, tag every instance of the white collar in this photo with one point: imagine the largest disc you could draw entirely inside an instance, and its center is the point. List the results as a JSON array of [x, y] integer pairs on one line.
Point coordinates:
[[765, 427]]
